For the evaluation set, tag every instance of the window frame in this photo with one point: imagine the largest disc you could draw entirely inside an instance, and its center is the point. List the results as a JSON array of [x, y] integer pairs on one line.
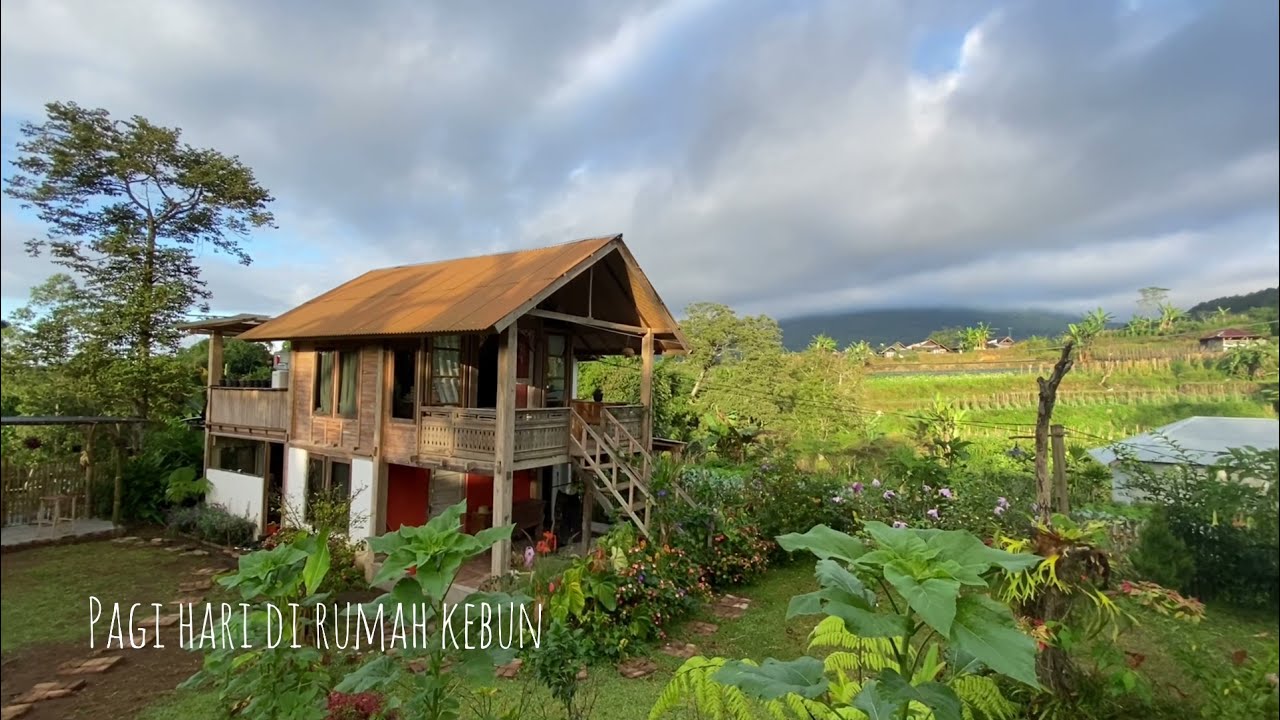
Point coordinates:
[[413, 351], [326, 463], [259, 456], [335, 383], [563, 357], [433, 375]]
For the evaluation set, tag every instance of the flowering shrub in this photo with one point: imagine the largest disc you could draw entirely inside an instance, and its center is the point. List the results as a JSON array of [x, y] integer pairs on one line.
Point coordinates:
[[660, 583]]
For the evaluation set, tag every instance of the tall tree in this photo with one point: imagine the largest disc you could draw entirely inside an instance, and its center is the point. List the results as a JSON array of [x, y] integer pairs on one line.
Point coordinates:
[[127, 204], [719, 337], [1151, 298]]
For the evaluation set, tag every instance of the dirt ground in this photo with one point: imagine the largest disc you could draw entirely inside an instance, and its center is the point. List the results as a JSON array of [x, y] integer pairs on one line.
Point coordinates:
[[135, 681]]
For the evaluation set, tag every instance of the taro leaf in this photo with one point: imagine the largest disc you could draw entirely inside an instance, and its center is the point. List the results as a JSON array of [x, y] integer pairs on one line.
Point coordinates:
[[841, 585], [379, 672], [806, 604], [967, 549], [875, 704], [936, 696], [985, 629], [774, 678], [824, 542], [933, 598], [317, 565], [868, 624], [901, 541], [965, 574]]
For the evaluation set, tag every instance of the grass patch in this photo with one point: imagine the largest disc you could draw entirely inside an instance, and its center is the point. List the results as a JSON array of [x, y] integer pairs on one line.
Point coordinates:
[[44, 597]]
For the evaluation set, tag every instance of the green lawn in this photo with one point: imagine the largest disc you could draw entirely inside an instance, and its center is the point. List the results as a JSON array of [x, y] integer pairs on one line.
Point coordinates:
[[44, 597]]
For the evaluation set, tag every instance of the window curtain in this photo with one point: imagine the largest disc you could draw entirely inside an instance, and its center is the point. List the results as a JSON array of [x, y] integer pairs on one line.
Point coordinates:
[[324, 383], [348, 384]]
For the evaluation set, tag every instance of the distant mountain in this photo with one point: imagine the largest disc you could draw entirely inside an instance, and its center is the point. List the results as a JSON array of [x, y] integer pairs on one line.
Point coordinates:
[[910, 325], [1268, 298]]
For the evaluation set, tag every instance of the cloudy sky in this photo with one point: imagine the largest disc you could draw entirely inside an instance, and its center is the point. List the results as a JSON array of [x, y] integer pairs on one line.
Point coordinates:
[[780, 156]]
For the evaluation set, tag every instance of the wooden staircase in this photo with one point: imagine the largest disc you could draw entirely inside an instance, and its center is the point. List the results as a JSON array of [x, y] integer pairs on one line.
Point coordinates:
[[616, 465]]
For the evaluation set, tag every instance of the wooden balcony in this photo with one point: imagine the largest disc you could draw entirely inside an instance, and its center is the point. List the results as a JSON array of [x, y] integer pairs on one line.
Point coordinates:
[[250, 412], [464, 437]]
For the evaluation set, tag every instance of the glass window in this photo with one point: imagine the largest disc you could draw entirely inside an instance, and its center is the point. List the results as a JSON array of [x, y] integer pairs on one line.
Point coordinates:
[[446, 370], [403, 386], [557, 367], [324, 382], [236, 455], [340, 479], [348, 383], [315, 483]]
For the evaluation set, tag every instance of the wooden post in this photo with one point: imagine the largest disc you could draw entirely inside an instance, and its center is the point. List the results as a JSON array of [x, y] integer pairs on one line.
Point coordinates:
[[1048, 398], [646, 388], [86, 459], [588, 508], [1058, 434], [504, 445], [118, 492], [214, 379]]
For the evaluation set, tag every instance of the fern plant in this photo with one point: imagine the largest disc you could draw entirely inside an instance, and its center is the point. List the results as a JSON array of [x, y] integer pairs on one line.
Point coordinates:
[[936, 651]]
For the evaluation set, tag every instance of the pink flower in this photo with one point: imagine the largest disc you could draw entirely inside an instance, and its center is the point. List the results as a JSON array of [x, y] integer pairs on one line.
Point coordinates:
[[875, 483], [999, 510], [889, 494], [899, 524], [946, 493], [932, 513], [857, 488], [529, 555]]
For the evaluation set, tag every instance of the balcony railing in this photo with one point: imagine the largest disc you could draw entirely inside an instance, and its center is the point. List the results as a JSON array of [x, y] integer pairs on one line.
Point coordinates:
[[541, 434], [250, 411]]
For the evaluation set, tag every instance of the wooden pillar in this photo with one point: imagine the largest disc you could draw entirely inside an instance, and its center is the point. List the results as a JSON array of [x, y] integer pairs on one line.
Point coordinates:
[[1057, 434], [504, 445], [214, 380], [588, 506], [646, 387], [117, 494]]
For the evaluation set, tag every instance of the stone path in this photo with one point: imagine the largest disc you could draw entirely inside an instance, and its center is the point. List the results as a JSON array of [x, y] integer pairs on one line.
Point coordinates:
[[684, 651], [699, 627], [636, 668], [730, 607]]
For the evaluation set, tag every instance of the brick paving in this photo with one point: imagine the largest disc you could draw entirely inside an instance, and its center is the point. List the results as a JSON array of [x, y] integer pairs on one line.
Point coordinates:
[[91, 666]]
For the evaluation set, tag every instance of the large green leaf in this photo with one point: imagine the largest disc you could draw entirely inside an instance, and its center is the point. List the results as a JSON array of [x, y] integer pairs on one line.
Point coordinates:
[[841, 585], [875, 704], [933, 598], [823, 542], [904, 542], [939, 698], [774, 678], [966, 549], [806, 604], [868, 624], [317, 566], [985, 629]]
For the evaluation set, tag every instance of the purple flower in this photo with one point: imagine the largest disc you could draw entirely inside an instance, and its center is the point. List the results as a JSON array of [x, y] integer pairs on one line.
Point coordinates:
[[857, 488], [528, 557], [946, 493], [926, 488], [837, 499], [1002, 502], [889, 494], [932, 513], [999, 510], [875, 482], [899, 524]]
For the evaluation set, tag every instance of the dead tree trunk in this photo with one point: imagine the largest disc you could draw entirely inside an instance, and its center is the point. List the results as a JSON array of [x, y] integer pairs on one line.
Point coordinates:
[[1044, 415]]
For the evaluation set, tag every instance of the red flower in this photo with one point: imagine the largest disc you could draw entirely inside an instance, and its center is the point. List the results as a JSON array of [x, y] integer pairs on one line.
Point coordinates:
[[412, 571]]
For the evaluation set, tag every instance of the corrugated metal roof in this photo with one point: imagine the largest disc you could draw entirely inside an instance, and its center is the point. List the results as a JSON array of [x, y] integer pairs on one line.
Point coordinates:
[[1200, 440], [463, 295]]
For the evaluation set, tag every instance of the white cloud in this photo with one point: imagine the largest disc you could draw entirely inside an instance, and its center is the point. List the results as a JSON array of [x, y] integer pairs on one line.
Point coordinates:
[[786, 158]]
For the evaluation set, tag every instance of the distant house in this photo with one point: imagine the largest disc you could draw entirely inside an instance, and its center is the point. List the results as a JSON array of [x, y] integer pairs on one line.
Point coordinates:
[[1197, 441], [1000, 344], [932, 347], [1224, 340], [893, 350]]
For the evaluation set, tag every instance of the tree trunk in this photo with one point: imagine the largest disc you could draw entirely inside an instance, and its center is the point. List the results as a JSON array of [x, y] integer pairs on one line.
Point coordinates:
[[698, 383], [146, 331], [1044, 415]]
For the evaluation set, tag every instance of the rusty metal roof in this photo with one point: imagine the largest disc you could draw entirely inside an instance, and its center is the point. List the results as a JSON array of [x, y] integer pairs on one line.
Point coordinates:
[[463, 295]]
